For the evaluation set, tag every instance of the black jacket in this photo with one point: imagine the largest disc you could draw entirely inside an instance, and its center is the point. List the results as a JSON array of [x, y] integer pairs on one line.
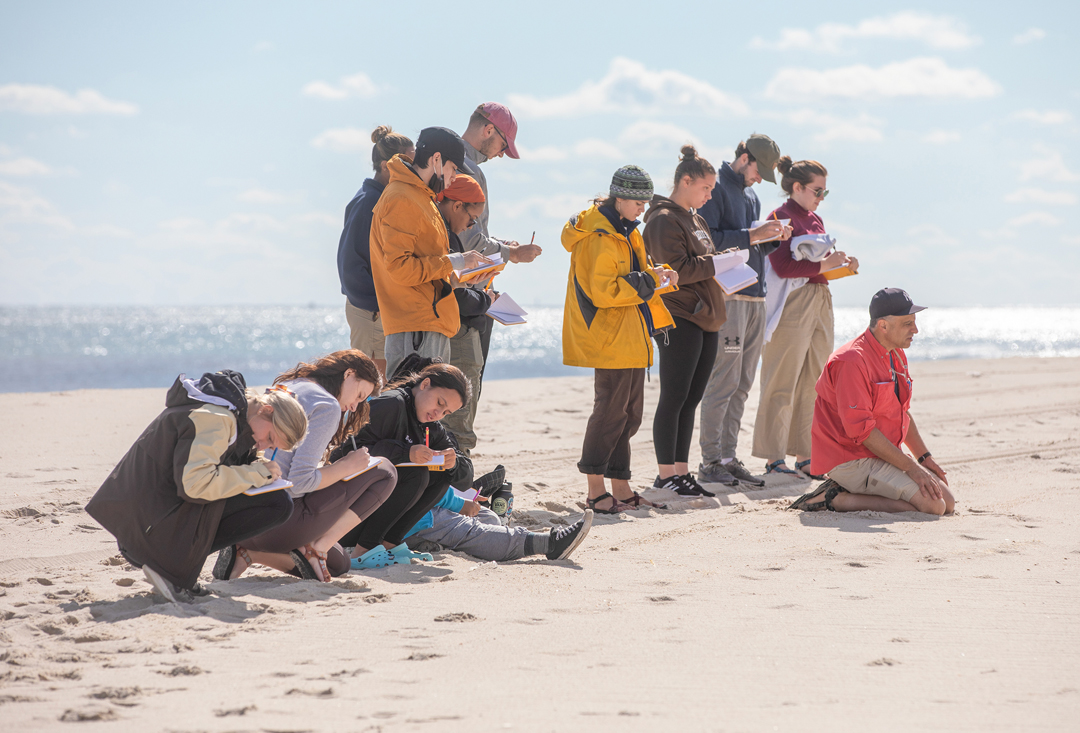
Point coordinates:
[[163, 501], [473, 303], [393, 429]]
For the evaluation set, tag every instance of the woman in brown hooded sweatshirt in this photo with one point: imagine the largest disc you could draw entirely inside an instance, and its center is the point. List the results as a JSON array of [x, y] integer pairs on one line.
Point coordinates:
[[675, 234]]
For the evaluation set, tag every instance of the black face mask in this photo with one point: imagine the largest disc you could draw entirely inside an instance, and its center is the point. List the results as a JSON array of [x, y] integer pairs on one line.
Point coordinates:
[[435, 183]]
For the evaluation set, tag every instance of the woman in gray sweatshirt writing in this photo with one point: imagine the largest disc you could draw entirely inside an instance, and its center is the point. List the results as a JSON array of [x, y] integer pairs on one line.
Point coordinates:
[[333, 392]]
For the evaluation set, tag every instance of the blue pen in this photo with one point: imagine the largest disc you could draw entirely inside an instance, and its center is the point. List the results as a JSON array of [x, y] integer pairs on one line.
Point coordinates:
[[272, 455]]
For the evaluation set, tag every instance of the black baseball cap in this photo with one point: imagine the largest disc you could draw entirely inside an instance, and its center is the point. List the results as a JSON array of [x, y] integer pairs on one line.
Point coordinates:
[[893, 302], [441, 140]]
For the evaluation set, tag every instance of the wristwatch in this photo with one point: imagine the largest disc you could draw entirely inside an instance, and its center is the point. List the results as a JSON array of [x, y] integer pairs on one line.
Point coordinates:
[[924, 456]]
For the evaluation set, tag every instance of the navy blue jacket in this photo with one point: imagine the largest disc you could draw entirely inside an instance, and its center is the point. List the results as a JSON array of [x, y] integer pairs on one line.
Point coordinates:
[[729, 213], [353, 255]]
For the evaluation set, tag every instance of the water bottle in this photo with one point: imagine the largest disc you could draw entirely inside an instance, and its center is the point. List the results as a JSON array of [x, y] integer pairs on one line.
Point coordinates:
[[502, 502]]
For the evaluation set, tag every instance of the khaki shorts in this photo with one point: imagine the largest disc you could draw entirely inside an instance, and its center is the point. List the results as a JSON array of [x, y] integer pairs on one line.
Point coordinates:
[[365, 331], [874, 476]]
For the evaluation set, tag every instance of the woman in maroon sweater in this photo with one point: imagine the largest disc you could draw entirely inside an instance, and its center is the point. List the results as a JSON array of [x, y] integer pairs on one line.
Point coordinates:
[[795, 355]]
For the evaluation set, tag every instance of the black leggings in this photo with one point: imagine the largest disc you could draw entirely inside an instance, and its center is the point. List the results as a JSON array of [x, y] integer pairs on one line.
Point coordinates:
[[417, 491], [686, 362], [247, 516]]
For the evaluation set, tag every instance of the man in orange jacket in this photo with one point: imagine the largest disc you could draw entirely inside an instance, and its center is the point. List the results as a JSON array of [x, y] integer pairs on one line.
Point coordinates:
[[411, 262]]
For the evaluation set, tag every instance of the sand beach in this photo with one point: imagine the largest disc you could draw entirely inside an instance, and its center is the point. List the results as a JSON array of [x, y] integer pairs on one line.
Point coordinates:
[[726, 614]]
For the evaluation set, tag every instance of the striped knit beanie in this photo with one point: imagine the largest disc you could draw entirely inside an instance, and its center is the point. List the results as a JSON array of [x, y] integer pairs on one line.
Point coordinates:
[[632, 182]]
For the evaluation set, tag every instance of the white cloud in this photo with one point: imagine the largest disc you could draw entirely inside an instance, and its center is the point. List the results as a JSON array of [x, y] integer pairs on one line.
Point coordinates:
[[544, 154], [558, 206], [1031, 34], [1049, 117], [1041, 196], [358, 85], [33, 99], [262, 196], [24, 167], [917, 77], [931, 235], [630, 88], [22, 206], [263, 46], [1033, 219], [941, 137], [937, 31], [863, 128], [595, 148], [343, 140], [1049, 167]]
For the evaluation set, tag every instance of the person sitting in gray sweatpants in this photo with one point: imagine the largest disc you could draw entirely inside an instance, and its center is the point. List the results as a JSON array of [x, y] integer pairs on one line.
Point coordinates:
[[465, 526]]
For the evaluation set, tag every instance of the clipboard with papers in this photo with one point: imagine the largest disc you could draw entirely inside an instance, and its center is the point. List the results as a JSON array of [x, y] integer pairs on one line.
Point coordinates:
[[481, 272]]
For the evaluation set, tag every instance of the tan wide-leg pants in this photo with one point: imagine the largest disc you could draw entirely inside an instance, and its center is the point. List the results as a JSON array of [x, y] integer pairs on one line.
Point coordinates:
[[790, 366]]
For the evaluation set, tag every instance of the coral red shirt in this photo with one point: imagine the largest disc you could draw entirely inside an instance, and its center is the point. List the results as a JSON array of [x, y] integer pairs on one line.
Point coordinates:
[[857, 392]]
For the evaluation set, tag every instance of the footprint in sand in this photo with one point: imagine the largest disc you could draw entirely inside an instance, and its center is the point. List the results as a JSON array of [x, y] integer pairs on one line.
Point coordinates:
[[86, 714], [421, 657], [883, 662], [377, 598], [181, 671], [456, 617], [661, 599]]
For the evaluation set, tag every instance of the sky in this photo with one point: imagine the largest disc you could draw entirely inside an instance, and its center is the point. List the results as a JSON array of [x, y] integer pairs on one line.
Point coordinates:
[[158, 155]]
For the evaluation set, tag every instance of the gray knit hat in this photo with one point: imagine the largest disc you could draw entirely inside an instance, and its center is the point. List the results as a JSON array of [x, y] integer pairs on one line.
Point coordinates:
[[632, 182]]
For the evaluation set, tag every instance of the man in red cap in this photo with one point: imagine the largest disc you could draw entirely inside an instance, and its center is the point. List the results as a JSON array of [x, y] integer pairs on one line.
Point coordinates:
[[492, 133]]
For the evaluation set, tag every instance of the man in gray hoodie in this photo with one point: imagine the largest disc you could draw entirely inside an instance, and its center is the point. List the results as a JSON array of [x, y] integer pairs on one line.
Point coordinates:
[[731, 211]]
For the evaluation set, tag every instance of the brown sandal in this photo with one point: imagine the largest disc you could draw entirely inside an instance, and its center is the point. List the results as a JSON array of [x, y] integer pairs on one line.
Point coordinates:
[[617, 507], [637, 500]]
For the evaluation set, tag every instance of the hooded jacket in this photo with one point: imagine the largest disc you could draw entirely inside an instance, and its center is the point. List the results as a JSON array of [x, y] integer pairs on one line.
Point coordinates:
[[681, 239], [409, 262], [163, 501], [613, 304], [353, 256], [393, 429]]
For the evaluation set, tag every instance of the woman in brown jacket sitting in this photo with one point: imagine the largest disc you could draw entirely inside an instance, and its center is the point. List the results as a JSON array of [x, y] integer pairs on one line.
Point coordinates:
[[676, 235]]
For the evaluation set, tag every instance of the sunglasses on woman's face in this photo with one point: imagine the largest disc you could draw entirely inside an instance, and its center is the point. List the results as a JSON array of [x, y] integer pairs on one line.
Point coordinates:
[[819, 193]]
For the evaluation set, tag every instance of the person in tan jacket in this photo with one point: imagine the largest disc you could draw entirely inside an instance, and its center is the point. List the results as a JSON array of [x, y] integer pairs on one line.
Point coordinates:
[[676, 235], [411, 262]]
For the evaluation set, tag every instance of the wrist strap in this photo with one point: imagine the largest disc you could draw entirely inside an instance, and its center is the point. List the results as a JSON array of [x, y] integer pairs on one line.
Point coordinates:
[[924, 456]]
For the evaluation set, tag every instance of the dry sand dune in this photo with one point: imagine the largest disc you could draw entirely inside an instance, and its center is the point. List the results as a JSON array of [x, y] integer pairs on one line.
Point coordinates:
[[728, 614]]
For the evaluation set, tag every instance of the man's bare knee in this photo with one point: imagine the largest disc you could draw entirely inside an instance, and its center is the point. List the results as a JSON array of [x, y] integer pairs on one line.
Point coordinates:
[[928, 506]]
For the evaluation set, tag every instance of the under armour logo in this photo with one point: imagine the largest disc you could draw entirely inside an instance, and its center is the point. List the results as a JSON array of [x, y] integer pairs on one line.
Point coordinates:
[[728, 341]]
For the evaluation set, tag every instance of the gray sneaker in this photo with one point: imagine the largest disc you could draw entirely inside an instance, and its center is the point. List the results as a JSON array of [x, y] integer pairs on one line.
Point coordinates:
[[738, 470], [714, 473]]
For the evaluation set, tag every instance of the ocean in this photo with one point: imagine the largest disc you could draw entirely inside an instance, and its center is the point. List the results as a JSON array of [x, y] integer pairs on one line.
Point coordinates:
[[46, 349]]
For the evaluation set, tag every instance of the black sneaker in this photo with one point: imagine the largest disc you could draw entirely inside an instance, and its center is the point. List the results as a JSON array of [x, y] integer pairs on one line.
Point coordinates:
[[738, 470], [676, 484], [690, 481], [564, 540]]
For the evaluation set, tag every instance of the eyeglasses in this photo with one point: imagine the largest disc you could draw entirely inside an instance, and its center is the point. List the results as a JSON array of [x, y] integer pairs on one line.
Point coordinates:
[[819, 193], [506, 144]]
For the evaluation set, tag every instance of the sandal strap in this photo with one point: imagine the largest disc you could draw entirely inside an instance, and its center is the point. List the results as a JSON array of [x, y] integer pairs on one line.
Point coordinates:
[[244, 554]]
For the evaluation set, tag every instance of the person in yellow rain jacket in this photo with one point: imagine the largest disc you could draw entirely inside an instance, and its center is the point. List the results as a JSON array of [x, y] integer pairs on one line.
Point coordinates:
[[613, 309]]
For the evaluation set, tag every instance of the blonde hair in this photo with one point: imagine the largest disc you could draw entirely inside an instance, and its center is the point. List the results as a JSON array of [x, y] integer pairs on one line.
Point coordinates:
[[289, 418]]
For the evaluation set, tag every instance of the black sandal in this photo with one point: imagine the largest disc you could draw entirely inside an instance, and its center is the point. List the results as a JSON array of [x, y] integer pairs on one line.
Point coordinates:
[[829, 488], [226, 561], [637, 500], [617, 507], [303, 567], [804, 467]]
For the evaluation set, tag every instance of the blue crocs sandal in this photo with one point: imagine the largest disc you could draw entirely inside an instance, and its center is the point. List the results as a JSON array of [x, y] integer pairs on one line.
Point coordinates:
[[404, 556], [377, 557], [779, 467]]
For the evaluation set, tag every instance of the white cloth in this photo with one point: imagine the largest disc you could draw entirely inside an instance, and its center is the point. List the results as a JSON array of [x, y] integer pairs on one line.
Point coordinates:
[[812, 247]]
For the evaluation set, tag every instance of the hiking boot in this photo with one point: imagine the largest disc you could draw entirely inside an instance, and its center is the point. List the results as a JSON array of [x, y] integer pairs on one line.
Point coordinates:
[[564, 540], [738, 471], [689, 480], [676, 484], [714, 473]]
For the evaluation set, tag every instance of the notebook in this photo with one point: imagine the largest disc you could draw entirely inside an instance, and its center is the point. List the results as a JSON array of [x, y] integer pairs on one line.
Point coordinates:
[[506, 311], [276, 485], [482, 271], [755, 224], [732, 272], [436, 460], [372, 462]]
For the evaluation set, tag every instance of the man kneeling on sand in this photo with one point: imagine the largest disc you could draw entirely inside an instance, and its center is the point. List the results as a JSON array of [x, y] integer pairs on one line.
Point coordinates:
[[861, 419]]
